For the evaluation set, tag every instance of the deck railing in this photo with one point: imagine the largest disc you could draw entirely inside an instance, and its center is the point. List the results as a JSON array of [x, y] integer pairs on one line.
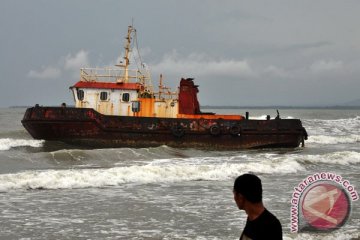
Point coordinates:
[[111, 75]]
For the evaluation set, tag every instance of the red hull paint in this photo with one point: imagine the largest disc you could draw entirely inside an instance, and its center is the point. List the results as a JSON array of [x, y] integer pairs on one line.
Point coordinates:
[[87, 127]]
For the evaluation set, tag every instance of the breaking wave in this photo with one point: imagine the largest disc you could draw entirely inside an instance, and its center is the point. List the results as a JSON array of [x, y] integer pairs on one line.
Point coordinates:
[[337, 139], [85, 178], [169, 170], [341, 158], [338, 131], [333, 127], [8, 143]]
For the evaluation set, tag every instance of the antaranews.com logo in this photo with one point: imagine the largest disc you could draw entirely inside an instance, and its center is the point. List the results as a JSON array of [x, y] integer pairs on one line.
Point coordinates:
[[321, 202]]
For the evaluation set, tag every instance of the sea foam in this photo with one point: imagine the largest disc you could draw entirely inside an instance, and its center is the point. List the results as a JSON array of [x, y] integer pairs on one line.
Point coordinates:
[[333, 127], [341, 158], [84, 178], [339, 235], [336, 139], [8, 143]]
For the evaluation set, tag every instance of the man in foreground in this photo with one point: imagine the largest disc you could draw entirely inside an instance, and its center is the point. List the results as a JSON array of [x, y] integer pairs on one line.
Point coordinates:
[[260, 224]]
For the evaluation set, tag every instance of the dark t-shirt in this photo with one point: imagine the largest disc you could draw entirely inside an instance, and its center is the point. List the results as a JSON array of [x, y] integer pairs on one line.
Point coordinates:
[[265, 226]]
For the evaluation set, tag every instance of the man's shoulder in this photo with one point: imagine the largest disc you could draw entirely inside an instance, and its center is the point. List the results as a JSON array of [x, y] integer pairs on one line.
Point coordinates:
[[270, 221], [268, 215], [271, 226], [266, 226]]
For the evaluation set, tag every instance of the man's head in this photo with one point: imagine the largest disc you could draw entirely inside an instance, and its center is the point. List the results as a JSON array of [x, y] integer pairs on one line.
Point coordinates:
[[248, 187]]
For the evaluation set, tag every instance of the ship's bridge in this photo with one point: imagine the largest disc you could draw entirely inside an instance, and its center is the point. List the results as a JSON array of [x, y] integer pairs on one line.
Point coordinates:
[[122, 92]]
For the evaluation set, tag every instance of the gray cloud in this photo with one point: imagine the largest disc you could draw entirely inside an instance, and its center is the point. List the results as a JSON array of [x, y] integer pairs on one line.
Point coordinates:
[[69, 64], [294, 53], [200, 65], [78, 61], [321, 66], [45, 73]]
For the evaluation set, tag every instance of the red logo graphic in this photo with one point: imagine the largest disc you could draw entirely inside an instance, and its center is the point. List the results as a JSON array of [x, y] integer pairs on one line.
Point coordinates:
[[325, 206]]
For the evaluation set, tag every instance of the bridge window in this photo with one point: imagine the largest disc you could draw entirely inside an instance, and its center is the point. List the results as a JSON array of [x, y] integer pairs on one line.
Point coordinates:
[[80, 94], [103, 96], [126, 97]]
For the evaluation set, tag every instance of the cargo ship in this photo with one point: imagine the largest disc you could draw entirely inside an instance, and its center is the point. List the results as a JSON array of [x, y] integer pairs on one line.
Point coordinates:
[[118, 107]]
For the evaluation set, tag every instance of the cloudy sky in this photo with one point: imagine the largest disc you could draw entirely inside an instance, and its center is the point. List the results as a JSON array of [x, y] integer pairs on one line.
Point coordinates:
[[242, 53]]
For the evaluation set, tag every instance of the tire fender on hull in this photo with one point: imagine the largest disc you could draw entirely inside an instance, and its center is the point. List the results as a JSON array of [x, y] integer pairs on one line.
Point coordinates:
[[235, 130], [178, 131], [215, 130]]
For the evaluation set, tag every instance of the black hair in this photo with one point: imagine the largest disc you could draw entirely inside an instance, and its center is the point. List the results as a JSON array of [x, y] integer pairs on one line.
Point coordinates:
[[249, 185]]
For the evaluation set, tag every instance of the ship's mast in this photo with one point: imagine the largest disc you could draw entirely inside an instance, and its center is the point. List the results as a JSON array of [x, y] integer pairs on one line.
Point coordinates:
[[127, 55]]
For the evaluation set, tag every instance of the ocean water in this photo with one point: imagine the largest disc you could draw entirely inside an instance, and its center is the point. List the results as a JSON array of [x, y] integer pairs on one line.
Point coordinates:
[[56, 191]]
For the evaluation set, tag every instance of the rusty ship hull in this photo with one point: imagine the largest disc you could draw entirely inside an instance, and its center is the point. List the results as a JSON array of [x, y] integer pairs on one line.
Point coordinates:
[[89, 128]]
